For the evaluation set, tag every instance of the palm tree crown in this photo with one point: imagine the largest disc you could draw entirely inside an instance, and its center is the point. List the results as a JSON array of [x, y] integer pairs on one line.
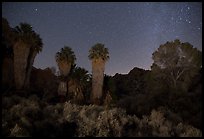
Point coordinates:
[[80, 75], [98, 51], [25, 33], [66, 54]]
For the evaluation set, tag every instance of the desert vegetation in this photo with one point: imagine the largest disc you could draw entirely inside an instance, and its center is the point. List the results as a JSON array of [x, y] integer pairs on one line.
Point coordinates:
[[165, 101], [99, 55]]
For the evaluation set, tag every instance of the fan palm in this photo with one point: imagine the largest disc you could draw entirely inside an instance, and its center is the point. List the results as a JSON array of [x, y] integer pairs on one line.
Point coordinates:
[[99, 55], [65, 59], [27, 45], [77, 84]]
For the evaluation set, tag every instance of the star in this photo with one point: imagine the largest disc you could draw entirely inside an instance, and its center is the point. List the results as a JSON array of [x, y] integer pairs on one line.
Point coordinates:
[[115, 25]]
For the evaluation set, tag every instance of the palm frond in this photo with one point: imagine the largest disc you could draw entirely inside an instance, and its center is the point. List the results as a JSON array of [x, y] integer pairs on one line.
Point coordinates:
[[98, 51], [66, 54], [25, 33]]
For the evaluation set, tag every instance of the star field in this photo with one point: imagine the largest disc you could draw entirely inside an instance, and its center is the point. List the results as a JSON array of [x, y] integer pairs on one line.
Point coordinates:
[[131, 30]]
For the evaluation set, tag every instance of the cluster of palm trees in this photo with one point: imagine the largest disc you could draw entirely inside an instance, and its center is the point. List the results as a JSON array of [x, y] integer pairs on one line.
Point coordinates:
[[26, 44], [65, 59]]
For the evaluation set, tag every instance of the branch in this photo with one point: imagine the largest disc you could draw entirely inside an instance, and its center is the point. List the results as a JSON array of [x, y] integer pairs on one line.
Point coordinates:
[[179, 74]]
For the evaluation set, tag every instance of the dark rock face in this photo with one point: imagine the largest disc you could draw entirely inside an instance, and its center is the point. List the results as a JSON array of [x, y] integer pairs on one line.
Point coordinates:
[[131, 83], [44, 83], [7, 73]]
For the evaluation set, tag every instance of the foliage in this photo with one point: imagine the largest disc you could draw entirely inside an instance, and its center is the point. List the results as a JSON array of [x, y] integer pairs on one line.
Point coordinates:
[[176, 62], [13, 39], [80, 75], [177, 54], [96, 121], [166, 101], [99, 51], [66, 54], [79, 80], [25, 33], [187, 104], [99, 55], [33, 117]]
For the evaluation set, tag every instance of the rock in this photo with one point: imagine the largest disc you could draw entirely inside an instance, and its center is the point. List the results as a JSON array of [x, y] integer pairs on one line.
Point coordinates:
[[131, 83], [44, 83]]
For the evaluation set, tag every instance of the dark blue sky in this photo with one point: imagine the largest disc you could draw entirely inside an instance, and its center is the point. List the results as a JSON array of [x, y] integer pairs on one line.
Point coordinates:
[[131, 31]]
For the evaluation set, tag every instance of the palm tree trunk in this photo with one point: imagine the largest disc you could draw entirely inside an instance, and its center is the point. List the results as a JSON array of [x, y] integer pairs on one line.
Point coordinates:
[[21, 53], [98, 67], [31, 59], [64, 68], [62, 89]]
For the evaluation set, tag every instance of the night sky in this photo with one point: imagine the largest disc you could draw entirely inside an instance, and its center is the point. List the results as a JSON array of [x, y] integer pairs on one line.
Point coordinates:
[[131, 31]]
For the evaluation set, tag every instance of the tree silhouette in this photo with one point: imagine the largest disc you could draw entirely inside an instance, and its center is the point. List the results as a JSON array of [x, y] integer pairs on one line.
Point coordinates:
[[27, 44], [175, 59], [79, 79], [99, 55], [65, 59]]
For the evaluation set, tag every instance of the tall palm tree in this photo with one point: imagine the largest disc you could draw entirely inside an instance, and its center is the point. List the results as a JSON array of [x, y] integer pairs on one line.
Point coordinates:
[[34, 50], [27, 45], [99, 55], [65, 59]]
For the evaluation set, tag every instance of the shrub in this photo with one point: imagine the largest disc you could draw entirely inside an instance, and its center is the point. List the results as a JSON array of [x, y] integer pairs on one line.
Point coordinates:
[[32, 117], [97, 121]]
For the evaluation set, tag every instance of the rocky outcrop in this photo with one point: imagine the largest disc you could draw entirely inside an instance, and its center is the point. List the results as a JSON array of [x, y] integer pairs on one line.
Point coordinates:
[[131, 83], [44, 82], [7, 72]]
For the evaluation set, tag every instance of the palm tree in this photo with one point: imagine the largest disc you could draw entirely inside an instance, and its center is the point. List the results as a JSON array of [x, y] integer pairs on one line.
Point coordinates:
[[27, 45], [65, 59], [34, 50], [99, 55], [79, 79]]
